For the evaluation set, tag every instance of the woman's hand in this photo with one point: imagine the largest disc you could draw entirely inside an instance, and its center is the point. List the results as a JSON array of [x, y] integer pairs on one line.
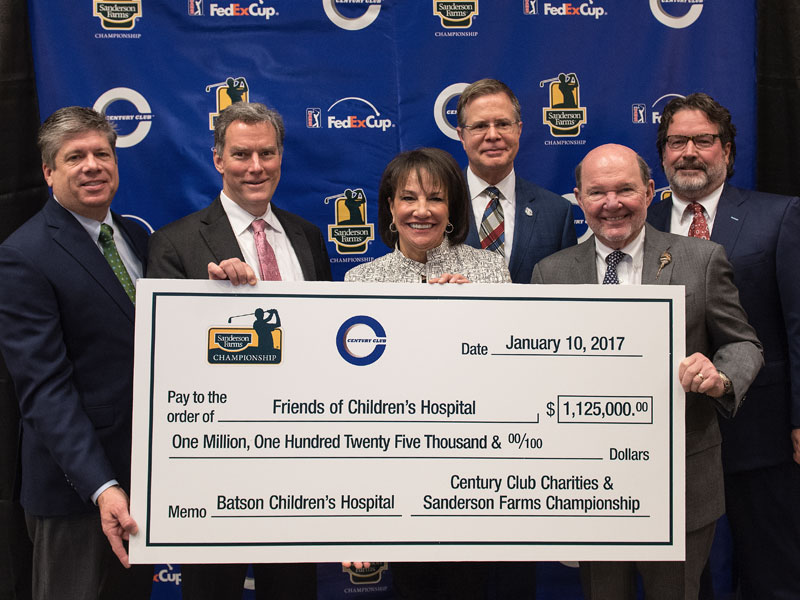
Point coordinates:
[[449, 278]]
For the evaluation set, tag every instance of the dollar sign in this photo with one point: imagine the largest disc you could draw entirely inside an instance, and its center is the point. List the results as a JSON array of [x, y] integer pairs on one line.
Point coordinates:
[[550, 409]]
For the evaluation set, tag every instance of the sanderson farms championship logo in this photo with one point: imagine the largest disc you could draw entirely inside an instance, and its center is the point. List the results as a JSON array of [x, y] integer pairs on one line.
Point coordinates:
[[261, 344], [565, 115], [118, 15], [455, 14], [351, 233], [230, 91]]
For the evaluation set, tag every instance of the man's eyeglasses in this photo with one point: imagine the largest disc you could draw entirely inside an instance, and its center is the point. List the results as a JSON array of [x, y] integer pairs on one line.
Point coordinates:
[[501, 126], [703, 141]]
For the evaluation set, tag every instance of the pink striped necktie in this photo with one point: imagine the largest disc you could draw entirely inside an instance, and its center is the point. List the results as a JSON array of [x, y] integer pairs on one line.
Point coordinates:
[[267, 263]]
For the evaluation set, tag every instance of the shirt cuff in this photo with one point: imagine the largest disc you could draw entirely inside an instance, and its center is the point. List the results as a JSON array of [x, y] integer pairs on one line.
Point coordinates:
[[102, 489]]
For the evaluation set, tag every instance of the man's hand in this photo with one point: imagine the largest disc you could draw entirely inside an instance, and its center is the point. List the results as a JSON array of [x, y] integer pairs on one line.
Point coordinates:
[[449, 278], [356, 565], [234, 270], [116, 520], [698, 374], [796, 445]]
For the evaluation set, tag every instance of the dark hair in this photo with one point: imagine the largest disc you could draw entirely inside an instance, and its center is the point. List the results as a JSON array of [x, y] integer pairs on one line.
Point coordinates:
[[250, 113], [644, 171], [485, 87], [716, 113], [68, 122], [443, 171]]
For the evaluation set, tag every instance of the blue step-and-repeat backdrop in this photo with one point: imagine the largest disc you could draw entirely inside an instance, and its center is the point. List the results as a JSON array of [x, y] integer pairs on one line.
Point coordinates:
[[358, 81]]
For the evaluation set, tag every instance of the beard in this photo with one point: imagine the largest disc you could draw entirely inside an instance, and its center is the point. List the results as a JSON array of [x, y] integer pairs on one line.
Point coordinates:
[[689, 187]]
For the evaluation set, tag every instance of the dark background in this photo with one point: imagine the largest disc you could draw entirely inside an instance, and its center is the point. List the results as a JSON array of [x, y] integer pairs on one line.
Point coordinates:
[[22, 192]]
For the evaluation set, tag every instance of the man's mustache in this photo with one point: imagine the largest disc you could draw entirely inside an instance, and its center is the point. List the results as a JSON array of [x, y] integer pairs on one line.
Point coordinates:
[[691, 164]]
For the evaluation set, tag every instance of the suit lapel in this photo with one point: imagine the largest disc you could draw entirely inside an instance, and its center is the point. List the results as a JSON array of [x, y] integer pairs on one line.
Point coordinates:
[[656, 253], [585, 269], [525, 216], [73, 239], [731, 213], [299, 243], [218, 235]]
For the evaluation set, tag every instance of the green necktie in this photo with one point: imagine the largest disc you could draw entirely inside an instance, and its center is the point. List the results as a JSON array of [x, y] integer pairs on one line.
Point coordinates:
[[112, 256]]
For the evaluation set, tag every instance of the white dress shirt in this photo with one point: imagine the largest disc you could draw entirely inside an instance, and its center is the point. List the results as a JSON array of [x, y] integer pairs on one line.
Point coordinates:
[[681, 220], [240, 221], [508, 198], [629, 269]]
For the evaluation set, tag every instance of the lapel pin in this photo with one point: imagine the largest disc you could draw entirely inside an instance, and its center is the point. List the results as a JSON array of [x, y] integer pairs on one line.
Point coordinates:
[[664, 260], [528, 211]]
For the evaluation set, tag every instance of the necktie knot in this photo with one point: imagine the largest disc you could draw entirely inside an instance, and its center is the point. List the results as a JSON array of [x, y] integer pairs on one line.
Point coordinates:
[[612, 260], [106, 239], [259, 225]]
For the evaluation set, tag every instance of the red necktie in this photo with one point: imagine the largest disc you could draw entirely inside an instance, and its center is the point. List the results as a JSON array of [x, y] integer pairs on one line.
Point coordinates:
[[492, 231], [267, 263], [699, 226]]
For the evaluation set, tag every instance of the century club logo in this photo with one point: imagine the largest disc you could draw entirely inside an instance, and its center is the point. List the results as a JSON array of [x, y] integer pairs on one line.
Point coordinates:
[[351, 233], [118, 15], [143, 118], [361, 340], [639, 110], [230, 91], [260, 344], [445, 114], [680, 21], [341, 13], [565, 115], [455, 14], [351, 113]]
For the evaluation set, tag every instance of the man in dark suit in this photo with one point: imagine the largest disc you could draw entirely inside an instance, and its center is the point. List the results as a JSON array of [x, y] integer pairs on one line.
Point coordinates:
[[242, 236], [761, 235], [514, 217], [66, 333], [614, 190]]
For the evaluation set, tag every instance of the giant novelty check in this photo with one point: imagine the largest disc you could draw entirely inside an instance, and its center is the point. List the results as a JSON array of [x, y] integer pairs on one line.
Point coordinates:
[[323, 422]]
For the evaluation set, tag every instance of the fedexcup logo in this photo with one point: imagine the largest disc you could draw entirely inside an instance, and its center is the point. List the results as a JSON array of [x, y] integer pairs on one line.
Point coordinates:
[[352, 23], [440, 110], [144, 118], [663, 17], [639, 110], [361, 340]]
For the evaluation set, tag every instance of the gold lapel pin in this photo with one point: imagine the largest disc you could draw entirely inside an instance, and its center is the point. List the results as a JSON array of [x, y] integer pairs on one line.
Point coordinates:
[[664, 260]]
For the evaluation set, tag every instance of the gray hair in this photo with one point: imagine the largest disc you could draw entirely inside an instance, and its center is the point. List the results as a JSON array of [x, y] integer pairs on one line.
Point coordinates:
[[68, 122], [250, 113], [485, 87]]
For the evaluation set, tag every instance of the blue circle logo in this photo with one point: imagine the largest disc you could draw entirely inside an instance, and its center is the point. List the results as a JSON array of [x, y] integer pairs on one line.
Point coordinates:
[[361, 340]]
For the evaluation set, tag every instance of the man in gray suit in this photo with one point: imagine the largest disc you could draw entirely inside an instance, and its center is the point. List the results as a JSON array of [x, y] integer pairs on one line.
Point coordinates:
[[241, 236], [614, 189]]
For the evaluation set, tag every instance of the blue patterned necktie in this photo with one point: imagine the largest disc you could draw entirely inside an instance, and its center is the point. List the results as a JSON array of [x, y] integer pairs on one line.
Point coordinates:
[[492, 233], [112, 256], [612, 260]]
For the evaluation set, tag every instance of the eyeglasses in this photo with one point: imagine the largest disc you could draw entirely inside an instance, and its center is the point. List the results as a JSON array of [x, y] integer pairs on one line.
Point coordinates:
[[702, 141], [501, 126]]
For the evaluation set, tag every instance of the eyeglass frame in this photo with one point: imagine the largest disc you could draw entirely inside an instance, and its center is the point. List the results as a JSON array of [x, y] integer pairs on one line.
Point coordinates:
[[503, 127], [692, 138]]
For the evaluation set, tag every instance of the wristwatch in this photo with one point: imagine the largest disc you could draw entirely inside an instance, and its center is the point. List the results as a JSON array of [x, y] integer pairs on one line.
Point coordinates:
[[727, 383]]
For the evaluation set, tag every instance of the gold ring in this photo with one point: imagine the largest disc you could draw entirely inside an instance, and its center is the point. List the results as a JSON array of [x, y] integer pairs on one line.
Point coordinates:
[[700, 375]]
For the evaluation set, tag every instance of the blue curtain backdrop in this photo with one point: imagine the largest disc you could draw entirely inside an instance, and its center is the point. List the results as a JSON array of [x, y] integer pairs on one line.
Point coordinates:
[[359, 80]]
